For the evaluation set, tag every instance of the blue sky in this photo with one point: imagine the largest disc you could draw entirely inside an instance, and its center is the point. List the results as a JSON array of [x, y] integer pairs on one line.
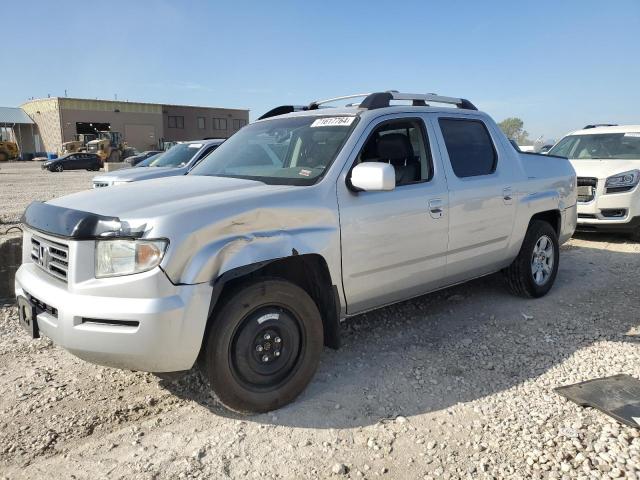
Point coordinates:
[[558, 65]]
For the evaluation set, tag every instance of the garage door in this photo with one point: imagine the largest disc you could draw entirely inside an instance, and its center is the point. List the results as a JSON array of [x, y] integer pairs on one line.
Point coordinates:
[[142, 137]]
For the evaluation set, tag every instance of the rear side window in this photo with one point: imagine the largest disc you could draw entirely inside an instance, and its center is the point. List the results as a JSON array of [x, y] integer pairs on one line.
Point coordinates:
[[469, 147]]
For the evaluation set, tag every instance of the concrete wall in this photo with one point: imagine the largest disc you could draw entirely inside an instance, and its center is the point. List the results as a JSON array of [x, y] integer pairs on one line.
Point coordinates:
[[191, 114], [140, 123], [46, 114]]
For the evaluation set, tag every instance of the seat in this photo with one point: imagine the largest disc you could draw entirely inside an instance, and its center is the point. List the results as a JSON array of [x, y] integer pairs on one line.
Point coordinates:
[[396, 149]]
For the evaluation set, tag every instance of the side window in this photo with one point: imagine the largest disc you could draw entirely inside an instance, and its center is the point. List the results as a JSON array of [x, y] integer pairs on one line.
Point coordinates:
[[469, 146], [402, 144]]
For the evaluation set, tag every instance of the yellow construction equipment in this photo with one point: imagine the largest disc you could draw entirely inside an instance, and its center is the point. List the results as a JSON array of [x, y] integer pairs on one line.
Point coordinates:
[[109, 146], [79, 144], [8, 150]]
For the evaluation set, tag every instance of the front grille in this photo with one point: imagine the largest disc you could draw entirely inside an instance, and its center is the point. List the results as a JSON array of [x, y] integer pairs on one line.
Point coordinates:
[[587, 215], [586, 189], [52, 257], [100, 184], [41, 306]]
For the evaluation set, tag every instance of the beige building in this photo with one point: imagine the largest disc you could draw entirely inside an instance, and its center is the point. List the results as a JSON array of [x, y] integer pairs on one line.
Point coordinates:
[[144, 125]]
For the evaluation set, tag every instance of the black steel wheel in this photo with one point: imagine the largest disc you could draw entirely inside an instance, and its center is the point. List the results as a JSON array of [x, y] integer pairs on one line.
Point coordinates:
[[263, 346]]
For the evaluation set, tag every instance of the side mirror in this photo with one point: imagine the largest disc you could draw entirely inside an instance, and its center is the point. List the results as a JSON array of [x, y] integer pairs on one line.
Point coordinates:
[[373, 177]]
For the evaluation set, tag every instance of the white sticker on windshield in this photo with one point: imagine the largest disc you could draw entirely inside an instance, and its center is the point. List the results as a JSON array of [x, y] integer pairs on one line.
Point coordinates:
[[632, 134], [333, 122], [195, 145]]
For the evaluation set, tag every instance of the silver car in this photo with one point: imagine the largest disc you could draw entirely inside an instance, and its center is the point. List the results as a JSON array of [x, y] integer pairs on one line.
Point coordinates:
[[178, 160], [297, 222]]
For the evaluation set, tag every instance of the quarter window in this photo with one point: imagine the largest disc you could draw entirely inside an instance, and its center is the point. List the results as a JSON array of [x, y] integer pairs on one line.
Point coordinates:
[[469, 146], [219, 123], [175, 121]]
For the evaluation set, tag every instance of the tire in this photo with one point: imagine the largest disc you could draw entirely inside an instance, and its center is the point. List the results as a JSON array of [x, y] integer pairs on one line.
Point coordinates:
[[540, 253], [58, 167], [635, 235], [3, 157], [263, 346]]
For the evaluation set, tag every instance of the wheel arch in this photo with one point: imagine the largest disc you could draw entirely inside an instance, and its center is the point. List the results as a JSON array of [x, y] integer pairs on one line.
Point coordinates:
[[308, 271], [552, 217]]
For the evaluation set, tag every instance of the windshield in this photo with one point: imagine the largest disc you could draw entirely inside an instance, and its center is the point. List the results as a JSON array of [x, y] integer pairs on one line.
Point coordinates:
[[286, 151], [147, 161], [623, 146], [177, 156]]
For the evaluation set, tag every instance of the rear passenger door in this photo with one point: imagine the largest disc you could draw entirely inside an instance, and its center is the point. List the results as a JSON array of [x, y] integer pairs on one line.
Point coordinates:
[[481, 204], [394, 243]]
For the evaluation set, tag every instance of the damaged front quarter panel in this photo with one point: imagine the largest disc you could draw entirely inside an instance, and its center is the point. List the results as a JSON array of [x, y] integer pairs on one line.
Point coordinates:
[[245, 237]]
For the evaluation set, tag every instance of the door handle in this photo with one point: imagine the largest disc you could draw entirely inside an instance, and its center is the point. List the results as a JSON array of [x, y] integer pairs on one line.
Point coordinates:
[[507, 195], [435, 208]]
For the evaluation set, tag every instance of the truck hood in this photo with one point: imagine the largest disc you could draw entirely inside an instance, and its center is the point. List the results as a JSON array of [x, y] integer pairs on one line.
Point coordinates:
[[139, 173], [602, 169], [164, 197]]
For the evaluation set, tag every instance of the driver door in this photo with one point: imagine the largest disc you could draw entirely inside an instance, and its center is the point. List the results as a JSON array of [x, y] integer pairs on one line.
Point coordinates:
[[394, 243]]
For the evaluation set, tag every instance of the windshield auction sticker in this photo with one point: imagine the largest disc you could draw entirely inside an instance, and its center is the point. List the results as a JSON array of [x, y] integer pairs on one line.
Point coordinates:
[[628, 134], [333, 122]]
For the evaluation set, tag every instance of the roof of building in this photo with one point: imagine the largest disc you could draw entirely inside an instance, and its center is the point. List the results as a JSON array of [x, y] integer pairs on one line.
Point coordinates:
[[103, 100], [10, 115]]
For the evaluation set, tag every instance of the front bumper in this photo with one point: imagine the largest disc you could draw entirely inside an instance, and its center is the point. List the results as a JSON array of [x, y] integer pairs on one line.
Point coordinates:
[[153, 333], [611, 212]]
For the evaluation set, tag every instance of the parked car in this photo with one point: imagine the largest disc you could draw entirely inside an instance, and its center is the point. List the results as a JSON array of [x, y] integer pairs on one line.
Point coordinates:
[[136, 159], [607, 161], [148, 161], [174, 162], [73, 161], [295, 223]]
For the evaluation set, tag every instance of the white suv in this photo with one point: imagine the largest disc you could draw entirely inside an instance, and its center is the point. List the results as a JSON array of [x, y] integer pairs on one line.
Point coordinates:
[[607, 161]]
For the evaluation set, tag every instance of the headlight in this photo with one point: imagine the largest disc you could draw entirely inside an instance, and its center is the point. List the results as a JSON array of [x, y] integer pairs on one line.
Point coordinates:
[[626, 179], [126, 257]]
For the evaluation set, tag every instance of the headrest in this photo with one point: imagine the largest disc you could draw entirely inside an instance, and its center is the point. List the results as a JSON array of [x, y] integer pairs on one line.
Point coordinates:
[[394, 146]]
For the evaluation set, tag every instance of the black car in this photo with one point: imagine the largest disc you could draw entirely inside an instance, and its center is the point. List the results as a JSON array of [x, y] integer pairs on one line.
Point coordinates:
[[74, 161], [136, 159]]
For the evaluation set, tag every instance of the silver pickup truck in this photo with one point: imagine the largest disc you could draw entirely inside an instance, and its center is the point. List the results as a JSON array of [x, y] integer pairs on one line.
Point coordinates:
[[247, 265]]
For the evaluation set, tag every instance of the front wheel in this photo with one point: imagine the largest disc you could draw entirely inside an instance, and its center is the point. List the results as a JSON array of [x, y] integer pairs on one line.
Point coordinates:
[[58, 168], [264, 345], [534, 270]]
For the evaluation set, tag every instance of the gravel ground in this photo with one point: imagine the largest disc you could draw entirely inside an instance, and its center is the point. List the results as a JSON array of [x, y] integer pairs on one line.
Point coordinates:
[[23, 182], [457, 384]]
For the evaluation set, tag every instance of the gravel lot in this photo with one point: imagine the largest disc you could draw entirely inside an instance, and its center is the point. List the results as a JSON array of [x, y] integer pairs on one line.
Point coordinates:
[[457, 384], [23, 182]]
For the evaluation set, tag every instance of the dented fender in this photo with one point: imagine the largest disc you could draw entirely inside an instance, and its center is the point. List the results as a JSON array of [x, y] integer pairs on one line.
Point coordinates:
[[258, 235]]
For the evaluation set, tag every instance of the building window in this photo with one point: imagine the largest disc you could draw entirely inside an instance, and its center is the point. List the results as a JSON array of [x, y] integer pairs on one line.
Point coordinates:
[[238, 123], [201, 123], [176, 122], [219, 123]]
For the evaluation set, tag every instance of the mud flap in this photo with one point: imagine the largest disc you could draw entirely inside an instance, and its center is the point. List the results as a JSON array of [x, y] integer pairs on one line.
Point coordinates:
[[617, 396]]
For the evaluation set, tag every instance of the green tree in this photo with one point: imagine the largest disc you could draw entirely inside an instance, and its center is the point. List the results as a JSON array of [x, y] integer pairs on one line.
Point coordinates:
[[513, 128]]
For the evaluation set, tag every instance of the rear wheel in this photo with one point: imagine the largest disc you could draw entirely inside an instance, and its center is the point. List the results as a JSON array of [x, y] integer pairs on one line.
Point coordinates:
[[264, 345], [534, 270]]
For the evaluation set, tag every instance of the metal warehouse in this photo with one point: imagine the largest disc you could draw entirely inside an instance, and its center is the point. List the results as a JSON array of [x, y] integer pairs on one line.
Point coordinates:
[[144, 126]]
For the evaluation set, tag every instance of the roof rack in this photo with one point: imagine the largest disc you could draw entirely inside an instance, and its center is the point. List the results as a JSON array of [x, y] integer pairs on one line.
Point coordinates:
[[383, 99], [596, 125]]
